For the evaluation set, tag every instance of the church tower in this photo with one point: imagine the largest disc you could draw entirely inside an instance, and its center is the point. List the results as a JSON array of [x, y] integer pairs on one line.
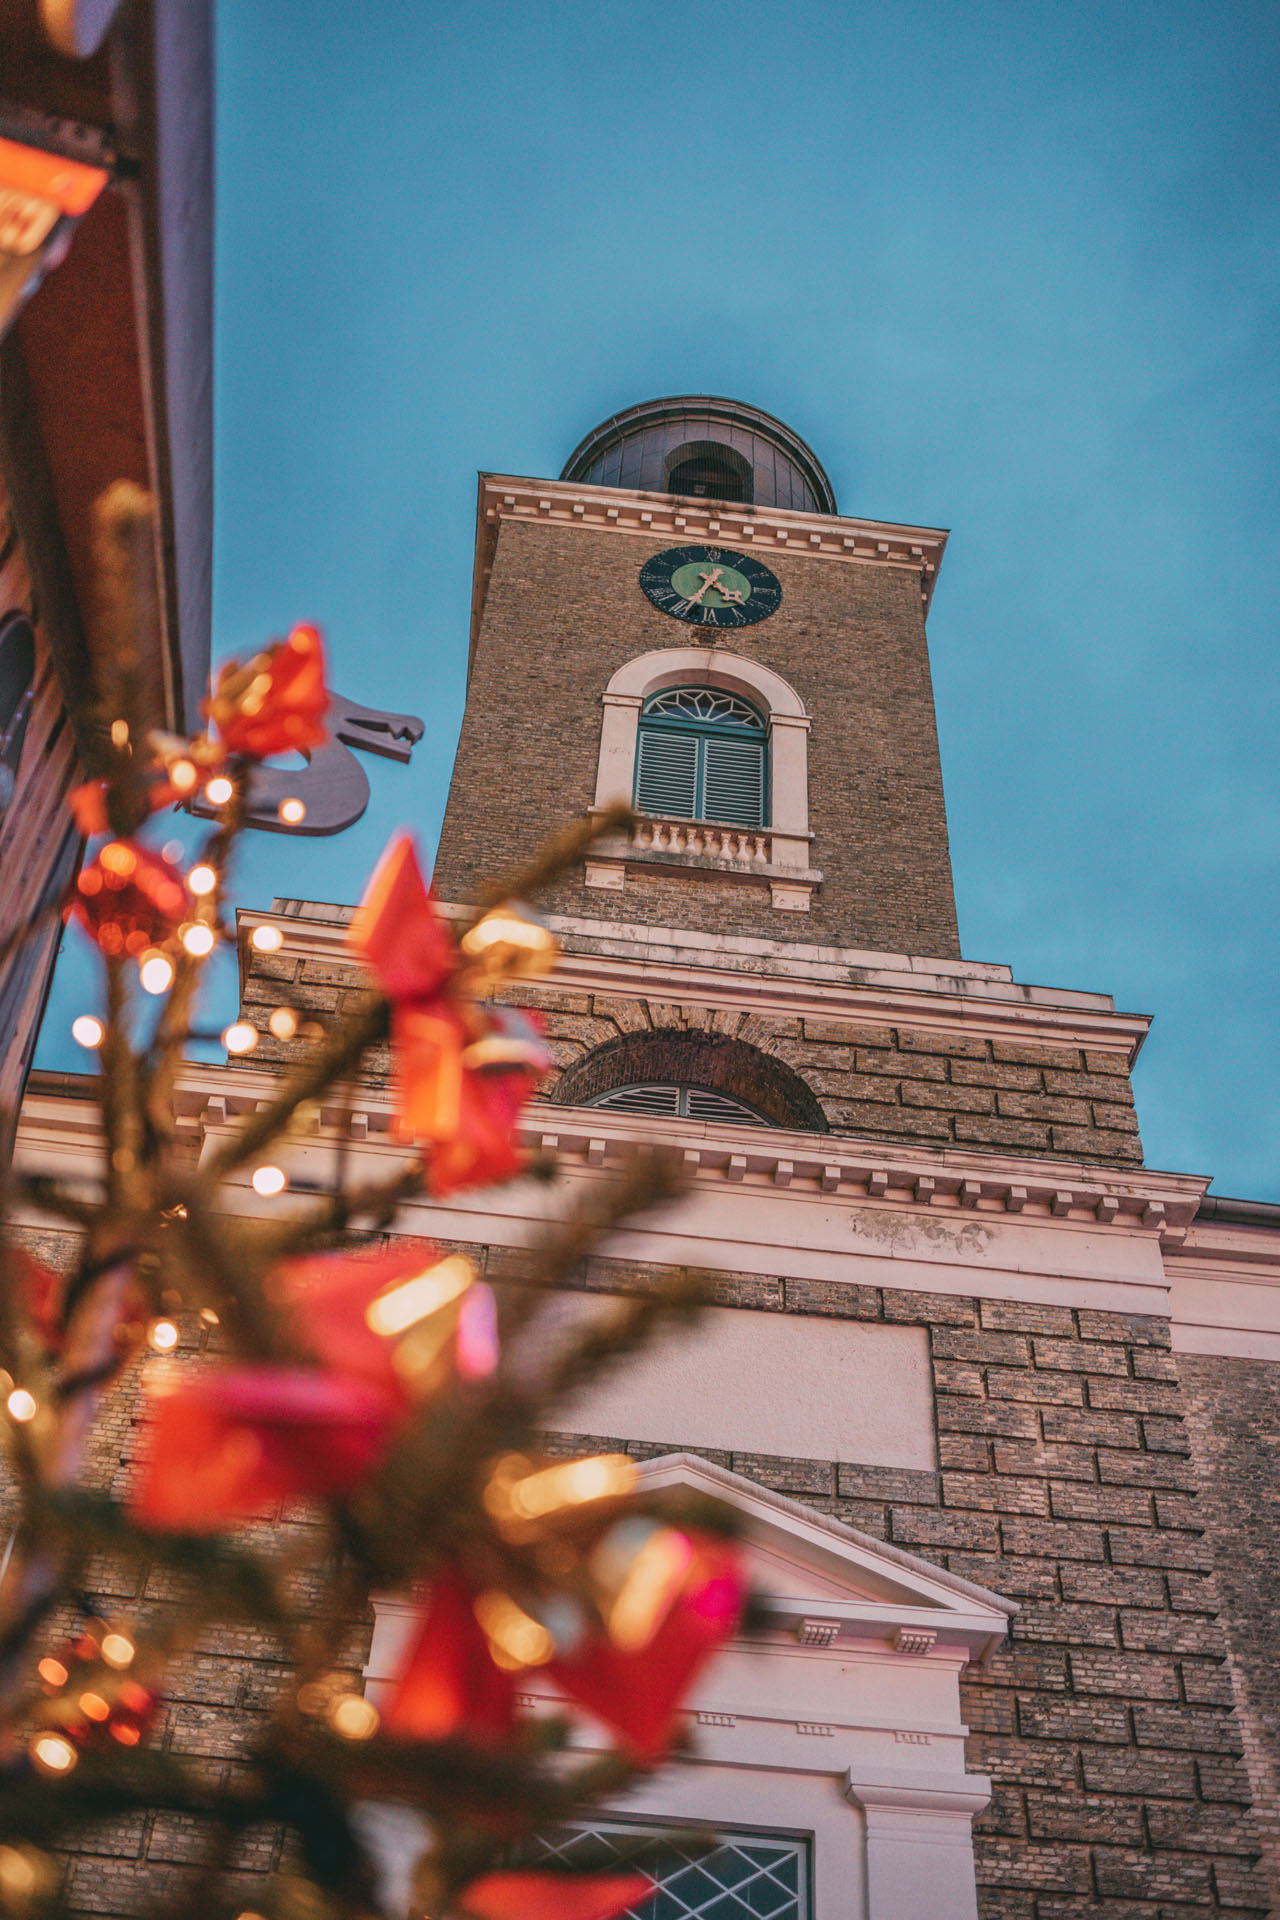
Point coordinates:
[[684, 620]]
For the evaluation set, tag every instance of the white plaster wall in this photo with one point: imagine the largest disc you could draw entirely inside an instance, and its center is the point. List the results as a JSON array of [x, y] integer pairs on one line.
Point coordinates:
[[772, 1383]]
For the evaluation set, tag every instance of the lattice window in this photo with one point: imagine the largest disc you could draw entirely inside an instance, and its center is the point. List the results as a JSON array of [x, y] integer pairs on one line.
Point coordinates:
[[700, 755], [743, 1877], [685, 1103]]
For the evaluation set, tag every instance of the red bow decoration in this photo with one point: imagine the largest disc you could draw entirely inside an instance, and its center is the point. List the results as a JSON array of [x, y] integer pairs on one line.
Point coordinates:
[[552, 1896], [277, 703], [463, 1073], [230, 1441], [451, 1685], [637, 1690], [130, 899]]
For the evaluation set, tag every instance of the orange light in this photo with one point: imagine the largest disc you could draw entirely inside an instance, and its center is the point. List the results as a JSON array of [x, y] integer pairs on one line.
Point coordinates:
[[219, 790], [199, 940], [54, 1753], [353, 1717], [202, 879], [118, 858], [117, 1649], [183, 776], [127, 1736], [266, 939], [240, 1037], [52, 1672], [162, 1335], [292, 811], [93, 1707], [21, 1405], [88, 1030], [283, 1023], [268, 1181]]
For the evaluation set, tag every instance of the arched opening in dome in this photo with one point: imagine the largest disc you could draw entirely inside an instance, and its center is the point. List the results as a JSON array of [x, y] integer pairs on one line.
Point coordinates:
[[708, 470]]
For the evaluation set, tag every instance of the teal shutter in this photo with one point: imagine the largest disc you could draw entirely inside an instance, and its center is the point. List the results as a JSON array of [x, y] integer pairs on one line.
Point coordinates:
[[733, 781], [667, 774]]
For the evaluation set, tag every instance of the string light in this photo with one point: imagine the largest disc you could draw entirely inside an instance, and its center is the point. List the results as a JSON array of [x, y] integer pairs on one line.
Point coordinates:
[[183, 776], [119, 733], [209, 1317], [21, 1405], [202, 879], [353, 1717], [292, 811], [515, 1638], [93, 1706], [156, 972], [266, 939], [199, 940], [88, 1030], [283, 1023], [240, 1037], [403, 1305], [219, 790], [55, 1753], [268, 1181], [117, 1649], [162, 1335], [52, 1672]]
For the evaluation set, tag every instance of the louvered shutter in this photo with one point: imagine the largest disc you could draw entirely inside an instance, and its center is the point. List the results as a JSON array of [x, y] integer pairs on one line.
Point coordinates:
[[655, 1099], [733, 782], [667, 774]]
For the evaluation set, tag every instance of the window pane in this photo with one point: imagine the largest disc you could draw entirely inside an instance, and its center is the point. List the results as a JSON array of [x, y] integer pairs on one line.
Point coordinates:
[[748, 1878]]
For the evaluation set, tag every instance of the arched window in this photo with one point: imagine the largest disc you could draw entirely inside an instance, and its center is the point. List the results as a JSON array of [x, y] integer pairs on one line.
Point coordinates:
[[700, 755], [686, 1103], [708, 470]]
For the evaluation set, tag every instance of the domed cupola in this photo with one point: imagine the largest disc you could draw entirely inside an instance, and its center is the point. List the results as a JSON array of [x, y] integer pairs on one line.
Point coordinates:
[[703, 448]]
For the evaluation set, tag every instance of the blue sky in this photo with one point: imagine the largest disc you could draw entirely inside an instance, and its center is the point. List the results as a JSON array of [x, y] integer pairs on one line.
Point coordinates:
[[1010, 269]]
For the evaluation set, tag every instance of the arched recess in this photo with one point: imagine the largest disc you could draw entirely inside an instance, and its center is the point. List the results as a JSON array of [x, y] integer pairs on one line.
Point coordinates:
[[707, 469], [676, 1056], [782, 706]]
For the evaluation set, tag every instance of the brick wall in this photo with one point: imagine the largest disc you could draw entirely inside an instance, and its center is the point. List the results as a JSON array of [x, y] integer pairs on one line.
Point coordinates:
[[1233, 1418], [875, 1082], [1065, 1481], [564, 611]]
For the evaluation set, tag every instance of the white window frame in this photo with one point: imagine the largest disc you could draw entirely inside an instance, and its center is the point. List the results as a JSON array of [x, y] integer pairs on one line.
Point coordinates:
[[778, 855]]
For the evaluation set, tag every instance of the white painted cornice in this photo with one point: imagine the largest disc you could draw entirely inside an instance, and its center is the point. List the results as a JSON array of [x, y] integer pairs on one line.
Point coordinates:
[[664, 516]]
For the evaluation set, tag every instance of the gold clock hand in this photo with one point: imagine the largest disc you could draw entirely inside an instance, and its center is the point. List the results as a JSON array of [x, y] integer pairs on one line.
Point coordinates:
[[708, 580]]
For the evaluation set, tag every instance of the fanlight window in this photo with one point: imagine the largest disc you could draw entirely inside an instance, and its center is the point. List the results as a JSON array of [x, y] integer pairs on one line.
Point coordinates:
[[684, 1103], [745, 1877], [700, 755]]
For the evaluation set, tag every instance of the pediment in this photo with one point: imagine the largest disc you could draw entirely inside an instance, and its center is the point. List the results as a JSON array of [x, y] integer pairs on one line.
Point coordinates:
[[811, 1570]]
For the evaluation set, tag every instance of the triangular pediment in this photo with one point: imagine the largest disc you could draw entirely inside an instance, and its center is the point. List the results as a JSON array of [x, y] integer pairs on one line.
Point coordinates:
[[810, 1569]]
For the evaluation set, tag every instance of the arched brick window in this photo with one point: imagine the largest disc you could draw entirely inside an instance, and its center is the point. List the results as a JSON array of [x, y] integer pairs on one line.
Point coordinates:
[[712, 1062]]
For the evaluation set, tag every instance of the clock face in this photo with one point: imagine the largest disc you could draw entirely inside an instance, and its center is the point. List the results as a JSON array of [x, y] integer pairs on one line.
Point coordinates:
[[711, 587]]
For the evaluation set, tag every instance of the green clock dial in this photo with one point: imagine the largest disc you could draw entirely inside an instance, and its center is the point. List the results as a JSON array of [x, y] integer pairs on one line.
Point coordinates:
[[711, 587]]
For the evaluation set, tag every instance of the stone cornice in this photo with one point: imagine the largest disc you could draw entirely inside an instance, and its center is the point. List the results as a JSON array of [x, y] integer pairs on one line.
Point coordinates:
[[834, 1168], [787, 981], [665, 516]]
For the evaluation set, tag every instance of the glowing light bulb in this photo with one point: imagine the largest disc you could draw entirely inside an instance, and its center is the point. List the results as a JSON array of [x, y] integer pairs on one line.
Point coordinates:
[[240, 1037], [202, 879], [268, 1181], [21, 1405], [162, 1335], [409, 1301], [283, 1023], [209, 1317], [353, 1717], [266, 939], [88, 1030], [119, 733], [93, 1706], [183, 776], [199, 940], [54, 1753], [219, 790], [292, 811], [156, 973], [52, 1672], [117, 1649]]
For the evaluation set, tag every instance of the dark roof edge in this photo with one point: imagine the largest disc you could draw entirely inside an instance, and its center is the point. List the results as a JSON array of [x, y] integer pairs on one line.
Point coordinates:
[[718, 407], [1239, 1213]]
